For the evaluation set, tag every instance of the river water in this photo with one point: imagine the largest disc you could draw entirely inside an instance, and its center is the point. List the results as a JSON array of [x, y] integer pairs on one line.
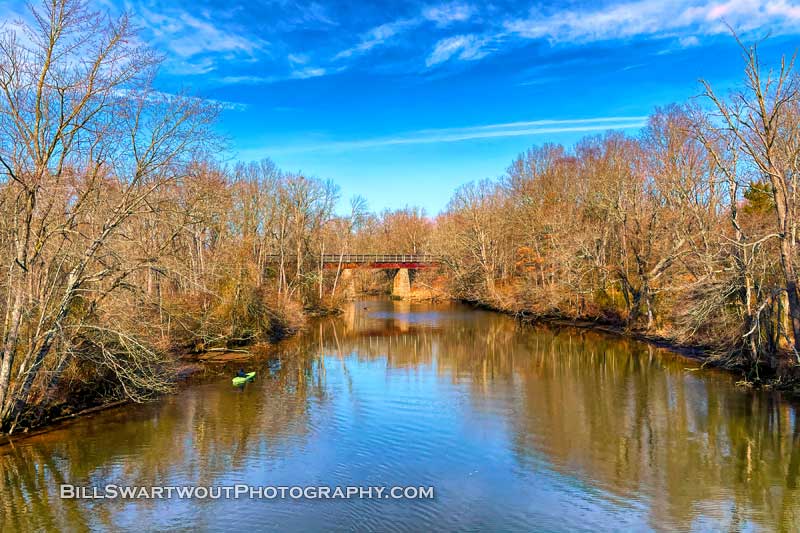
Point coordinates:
[[517, 429]]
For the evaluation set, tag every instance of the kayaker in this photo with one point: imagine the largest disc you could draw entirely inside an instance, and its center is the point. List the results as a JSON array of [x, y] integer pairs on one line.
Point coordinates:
[[241, 374]]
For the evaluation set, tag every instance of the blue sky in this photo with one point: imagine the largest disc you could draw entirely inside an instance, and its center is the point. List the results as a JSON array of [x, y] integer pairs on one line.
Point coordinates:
[[401, 102]]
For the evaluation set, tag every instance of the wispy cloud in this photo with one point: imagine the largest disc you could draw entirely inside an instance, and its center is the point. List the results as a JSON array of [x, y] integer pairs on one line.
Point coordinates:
[[450, 135], [245, 80], [378, 36], [156, 96], [465, 47], [446, 14], [228, 106], [307, 43], [684, 21], [442, 15], [542, 80], [688, 41], [310, 72], [309, 15], [234, 46], [294, 74], [195, 41], [300, 68], [298, 59], [657, 18]]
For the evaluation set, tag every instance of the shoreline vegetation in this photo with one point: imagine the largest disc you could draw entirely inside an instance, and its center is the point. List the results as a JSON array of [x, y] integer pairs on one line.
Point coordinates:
[[129, 244], [126, 244], [697, 352], [685, 233], [191, 367]]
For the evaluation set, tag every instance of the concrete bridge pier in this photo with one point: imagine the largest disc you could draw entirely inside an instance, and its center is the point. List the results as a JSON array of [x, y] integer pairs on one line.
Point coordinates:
[[401, 287], [348, 284]]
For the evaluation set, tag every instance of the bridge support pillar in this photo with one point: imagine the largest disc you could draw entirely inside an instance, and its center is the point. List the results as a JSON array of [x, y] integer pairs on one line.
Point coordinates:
[[401, 287], [348, 284]]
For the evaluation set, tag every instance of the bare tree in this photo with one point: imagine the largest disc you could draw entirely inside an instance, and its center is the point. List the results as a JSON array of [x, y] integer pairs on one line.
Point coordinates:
[[764, 117], [84, 142]]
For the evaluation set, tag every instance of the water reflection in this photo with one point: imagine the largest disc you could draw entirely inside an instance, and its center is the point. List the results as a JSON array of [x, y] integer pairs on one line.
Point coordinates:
[[518, 428]]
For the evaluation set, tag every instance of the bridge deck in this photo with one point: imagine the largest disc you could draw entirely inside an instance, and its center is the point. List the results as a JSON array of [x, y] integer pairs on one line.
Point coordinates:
[[379, 258], [375, 260]]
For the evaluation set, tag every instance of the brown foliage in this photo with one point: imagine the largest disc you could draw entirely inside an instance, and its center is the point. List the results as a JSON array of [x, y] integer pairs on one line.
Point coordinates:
[[686, 230]]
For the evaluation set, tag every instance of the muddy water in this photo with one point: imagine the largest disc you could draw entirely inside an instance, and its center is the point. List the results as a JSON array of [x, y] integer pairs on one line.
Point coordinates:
[[516, 428]]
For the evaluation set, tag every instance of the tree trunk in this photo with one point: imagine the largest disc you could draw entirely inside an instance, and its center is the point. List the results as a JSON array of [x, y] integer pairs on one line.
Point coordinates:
[[791, 289], [9, 350]]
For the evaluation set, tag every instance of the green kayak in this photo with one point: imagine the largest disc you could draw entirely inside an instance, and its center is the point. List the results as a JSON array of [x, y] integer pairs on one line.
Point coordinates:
[[241, 381]]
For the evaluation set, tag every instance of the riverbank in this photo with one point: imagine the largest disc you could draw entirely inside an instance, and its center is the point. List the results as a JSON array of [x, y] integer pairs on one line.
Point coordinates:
[[693, 351], [184, 366], [192, 368], [764, 376], [211, 362]]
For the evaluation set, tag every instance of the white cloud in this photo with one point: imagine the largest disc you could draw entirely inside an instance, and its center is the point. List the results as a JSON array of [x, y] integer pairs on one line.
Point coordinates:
[[468, 48], [203, 36], [311, 72], [442, 15], [659, 18], [313, 14], [201, 65], [445, 14], [544, 80], [297, 74], [448, 135], [164, 96], [688, 41], [378, 36], [245, 80], [297, 59], [229, 106], [196, 43]]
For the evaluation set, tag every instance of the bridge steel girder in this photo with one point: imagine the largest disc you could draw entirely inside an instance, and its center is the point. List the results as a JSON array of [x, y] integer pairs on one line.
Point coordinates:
[[381, 266], [387, 261]]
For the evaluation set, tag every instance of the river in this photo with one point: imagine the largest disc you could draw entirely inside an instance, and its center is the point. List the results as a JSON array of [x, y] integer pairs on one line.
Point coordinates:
[[517, 428]]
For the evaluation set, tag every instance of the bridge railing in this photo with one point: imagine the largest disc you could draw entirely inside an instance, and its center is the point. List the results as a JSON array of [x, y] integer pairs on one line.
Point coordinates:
[[370, 258], [379, 258]]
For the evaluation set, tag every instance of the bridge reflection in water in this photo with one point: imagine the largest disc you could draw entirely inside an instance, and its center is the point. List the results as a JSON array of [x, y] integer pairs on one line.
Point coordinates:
[[518, 428]]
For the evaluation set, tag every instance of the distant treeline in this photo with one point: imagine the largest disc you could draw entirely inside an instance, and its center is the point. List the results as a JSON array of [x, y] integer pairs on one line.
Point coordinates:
[[686, 230]]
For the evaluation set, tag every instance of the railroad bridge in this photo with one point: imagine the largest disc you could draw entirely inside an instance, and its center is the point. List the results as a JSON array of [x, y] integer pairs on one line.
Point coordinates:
[[401, 263]]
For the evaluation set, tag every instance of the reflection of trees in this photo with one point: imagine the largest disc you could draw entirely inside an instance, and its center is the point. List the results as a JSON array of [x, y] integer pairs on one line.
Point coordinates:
[[192, 438], [23, 473], [629, 417], [638, 421], [626, 417]]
